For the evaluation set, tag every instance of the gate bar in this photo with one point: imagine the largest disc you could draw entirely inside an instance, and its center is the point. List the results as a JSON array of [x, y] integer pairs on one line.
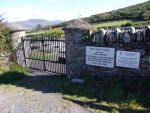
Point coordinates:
[[22, 41]]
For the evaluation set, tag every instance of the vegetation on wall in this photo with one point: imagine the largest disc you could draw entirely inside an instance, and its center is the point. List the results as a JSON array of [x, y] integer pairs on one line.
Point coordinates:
[[5, 45], [86, 36], [4, 37]]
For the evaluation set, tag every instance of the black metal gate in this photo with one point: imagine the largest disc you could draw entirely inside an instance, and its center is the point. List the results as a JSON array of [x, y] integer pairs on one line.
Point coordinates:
[[45, 53]]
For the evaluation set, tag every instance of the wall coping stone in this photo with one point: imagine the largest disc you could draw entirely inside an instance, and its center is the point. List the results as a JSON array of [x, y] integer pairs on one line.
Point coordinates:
[[78, 24]]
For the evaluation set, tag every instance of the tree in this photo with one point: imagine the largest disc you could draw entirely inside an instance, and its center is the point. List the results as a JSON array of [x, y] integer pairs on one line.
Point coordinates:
[[56, 32], [38, 27]]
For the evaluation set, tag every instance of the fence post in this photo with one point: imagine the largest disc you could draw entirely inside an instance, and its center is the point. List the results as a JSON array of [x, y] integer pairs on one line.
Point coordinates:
[[44, 67], [22, 42]]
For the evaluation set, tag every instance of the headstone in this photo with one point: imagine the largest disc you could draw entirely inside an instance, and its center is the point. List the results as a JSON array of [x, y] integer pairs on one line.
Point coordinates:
[[132, 30], [118, 33], [102, 33], [139, 36], [147, 34], [126, 37]]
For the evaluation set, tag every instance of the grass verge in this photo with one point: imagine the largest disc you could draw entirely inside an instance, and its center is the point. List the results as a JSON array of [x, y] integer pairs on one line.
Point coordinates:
[[14, 73], [113, 96]]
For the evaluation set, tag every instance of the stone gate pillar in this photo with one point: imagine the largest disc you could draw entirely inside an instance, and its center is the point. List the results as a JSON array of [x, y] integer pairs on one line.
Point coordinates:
[[75, 48]]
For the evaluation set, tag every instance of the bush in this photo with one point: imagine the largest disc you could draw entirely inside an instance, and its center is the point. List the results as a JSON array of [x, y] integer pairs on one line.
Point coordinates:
[[5, 44], [4, 37], [127, 24], [56, 32]]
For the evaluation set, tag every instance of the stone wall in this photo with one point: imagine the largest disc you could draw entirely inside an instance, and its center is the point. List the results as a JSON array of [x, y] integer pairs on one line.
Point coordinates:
[[22, 52], [17, 54], [20, 47], [16, 38], [76, 51], [4, 62]]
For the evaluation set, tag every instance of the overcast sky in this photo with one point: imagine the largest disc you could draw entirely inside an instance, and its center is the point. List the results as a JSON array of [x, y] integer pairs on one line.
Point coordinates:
[[17, 10]]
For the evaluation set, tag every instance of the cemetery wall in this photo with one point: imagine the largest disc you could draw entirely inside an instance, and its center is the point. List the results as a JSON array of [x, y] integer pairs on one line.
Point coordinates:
[[124, 52]]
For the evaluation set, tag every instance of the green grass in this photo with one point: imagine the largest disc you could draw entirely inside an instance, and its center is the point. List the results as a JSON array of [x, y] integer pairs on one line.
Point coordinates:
[[111, 23], [141, 23], [36, 54], [55, 32], [37, 32], [108, 97], [121, 23], [14, 73]]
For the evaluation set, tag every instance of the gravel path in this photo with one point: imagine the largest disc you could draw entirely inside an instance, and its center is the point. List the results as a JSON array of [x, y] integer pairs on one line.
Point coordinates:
[[21, 99]]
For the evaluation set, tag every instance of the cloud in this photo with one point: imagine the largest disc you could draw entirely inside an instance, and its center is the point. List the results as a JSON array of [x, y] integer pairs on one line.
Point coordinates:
[[54, 12], [19, 13]]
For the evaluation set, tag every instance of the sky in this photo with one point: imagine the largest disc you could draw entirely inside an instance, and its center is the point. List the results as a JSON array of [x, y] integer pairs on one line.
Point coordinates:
[[19, 10]]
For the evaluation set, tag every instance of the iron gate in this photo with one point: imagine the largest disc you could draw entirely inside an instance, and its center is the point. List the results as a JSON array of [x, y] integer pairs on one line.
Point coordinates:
[[45, 53]]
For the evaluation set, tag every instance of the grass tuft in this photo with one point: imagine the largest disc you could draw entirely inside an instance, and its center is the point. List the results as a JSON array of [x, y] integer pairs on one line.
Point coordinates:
[[15, 73]]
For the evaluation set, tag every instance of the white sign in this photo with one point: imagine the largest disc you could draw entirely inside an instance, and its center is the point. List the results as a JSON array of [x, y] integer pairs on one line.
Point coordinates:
[[100, 56], [128, 59]]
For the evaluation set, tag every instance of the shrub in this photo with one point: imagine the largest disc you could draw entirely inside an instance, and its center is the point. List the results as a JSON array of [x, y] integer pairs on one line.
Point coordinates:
[[56, 32], [5, 43], [127, 24], [4, 37]]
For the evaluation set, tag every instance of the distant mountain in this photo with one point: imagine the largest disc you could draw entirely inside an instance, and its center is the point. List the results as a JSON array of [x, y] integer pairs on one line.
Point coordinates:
[[31, 23], [13, 26]]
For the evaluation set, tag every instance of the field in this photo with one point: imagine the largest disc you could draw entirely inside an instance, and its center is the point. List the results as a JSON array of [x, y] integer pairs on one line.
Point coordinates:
[[111, 23], [121, 23], [36, 32], [118, 23]]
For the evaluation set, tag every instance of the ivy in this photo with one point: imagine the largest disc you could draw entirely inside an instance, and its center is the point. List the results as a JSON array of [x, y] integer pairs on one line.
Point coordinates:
[[86, 36], [5, 40]]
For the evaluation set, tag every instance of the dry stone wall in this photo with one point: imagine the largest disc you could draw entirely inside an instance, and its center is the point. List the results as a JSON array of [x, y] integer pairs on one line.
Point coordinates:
[[128, 43]]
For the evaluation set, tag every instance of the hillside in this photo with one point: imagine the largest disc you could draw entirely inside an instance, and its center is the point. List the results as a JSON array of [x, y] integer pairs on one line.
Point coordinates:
[[31, 23], [14, 26], [137, 15], [137, 12]]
